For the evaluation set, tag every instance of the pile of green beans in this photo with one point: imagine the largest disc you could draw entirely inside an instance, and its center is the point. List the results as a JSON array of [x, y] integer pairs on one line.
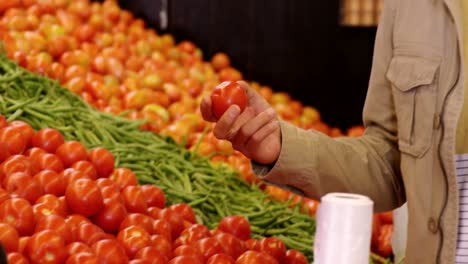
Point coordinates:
[[184, 176]]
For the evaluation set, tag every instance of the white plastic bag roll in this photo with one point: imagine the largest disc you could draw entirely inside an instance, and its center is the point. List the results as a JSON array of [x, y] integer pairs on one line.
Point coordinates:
[[344, 229]]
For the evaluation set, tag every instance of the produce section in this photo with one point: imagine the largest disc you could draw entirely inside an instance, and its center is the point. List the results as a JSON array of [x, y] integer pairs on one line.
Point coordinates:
[[117, 66]]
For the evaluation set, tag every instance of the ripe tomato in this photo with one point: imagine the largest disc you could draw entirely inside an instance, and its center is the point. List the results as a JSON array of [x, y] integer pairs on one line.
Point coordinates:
[[185, 210], [50, 161], [103, 160], [84, 197], [236, 225], [134, 199], [138, 219], [174, 219], [34, 154], [9, 237], [4, 152], [71, 152], [83, 258], [384, 242], [70, 175], [111, 216], [162, 245], [232, 245], [111, 193], [46, 246], [163, 228], [293, 256], [23, 241], [16, 258], [134, 238], [85, 167], [88, 233], [110, 251], [192, 234], [208, 247], [386, 217], [49, 204], [56, 223], [220, 258], [17, 163], [273, 247], [150, 253], [154, 196], [20, 184], [376, 225], [77, 247], [189, 250], [254, 257], [184, 260], [220, 61], [51, 182], [74, 221], [124, 177], [310, 206], [4, 195], [225, 95], [25, 128], [14, 138], [18, 212]]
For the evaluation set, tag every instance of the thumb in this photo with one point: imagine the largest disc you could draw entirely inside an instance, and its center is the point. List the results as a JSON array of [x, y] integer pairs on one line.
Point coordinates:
[[254, 99]]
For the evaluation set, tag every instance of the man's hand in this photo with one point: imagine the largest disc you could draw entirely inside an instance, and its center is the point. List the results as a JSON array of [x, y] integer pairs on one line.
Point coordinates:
[[255, 132]]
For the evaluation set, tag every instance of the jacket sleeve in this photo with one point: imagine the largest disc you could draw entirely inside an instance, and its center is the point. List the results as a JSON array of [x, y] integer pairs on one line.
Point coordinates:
[[314, 164]]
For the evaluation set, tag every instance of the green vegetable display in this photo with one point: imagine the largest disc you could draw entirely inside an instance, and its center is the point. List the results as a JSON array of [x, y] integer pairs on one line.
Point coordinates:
[[213, 192]]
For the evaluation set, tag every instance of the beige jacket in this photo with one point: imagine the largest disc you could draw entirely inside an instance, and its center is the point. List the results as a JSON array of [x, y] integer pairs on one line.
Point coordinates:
[[413, 103]]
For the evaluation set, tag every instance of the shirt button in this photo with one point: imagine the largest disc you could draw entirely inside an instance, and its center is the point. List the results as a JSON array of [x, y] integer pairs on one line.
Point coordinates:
[[432, 225]]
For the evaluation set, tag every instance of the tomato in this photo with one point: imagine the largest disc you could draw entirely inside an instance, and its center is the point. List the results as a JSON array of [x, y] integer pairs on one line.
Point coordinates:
[[75, 71], [232, 245], [83, 258], [23, 241], [18, 212], [57, 45], [9, 237], [77, 247], [56, 223], [293, 256], [70, 175], [17, 163], [84, 197], [88, 233], [150, 253], [50, 161], [110, 251], [192, 234], [71, 152], [184, 260], [25, 128], [34, 154], [134, 238], [124, 177], [103, 161], [185, 210], [175, 220], [112, 193], [138, 219], [162, 245], [253, 244], [220, 61], [189, 250], [376, 225], [74, 221], [153, 212], [111, 216], [16, 258], [14, 138], [163, 228], [134, 200], [154, 196], [56, 71], [46, 246], [4, 195], [384, 242], [51, 182], [236, 225], [208, 247], [85, 167], [49, 204], [310, 206], [220, 258], [253, 257], [20, 184], [386, 217], [273, 247], [4, 151]]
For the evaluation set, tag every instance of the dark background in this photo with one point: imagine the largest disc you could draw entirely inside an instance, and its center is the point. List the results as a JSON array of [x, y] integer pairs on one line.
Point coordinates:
[[294, 46]]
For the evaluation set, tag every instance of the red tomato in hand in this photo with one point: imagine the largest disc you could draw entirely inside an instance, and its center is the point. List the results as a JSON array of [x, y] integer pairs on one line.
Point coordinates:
[[48, 139], [71, 152], [46, 246], [18, 212], [293, 256], [84, 197], [236, 225], [103, 161], [9, 237], [225, 95]]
